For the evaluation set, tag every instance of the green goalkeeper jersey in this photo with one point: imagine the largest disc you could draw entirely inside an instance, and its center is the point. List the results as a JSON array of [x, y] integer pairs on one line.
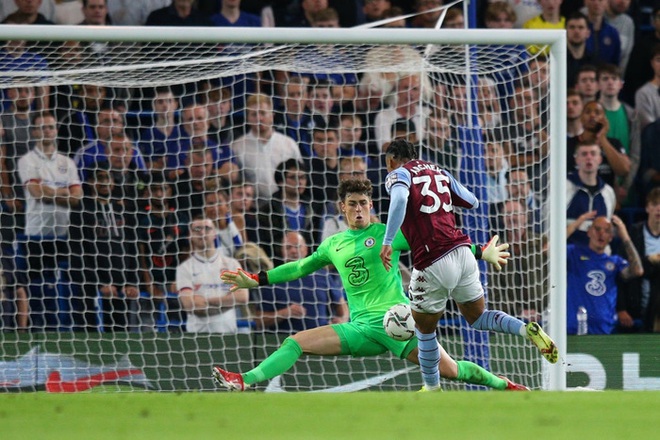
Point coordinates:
[[370, 289]]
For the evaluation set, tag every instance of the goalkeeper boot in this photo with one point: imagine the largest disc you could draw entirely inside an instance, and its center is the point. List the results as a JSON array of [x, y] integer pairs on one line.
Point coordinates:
[[230, 381], [512, 386], [543, 342]]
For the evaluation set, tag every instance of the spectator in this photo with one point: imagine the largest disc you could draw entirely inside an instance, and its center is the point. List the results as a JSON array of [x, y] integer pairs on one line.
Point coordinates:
[[132, 13], [501, 15], [230, 14], [604, 42], [52, 189], [394, 14], [210, 306], [615, 161], [519, 289], [323, 107], [163, 243], [622, 118], [488, 103], [288, 209], [28, 12], [308, 302], [427, 14], [161, 139], [577, 34], [373, 9], [324, 168], [77, 127], [216, 208], [592, 275], [638, 302], [301, 16], [15, 136], [110, 124], [377, 166], [454, 19], [497, 167], [639, 69], [104, 258], [195, 132], [616, 15], [222, 127], [519, 189], [647, 97], [51, 181], [574, 109], [407, 107], [648, 175], [623, 122], [438, 146], [178, 13], [351, 135], [588, 195], [293, 118], [95, 13], [16, 56], [586, 83], [527, 139], [127, 170], [194, 182], [243, 209], [12, 220], [262, 148], [372, 89], [549, 18]]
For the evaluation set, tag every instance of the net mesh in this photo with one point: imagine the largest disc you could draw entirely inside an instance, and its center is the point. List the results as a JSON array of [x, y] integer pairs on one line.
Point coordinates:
[[97, 215]]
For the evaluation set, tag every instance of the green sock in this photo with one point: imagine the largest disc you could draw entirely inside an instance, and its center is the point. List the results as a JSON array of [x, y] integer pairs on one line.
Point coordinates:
[[472, 373], [275, 364]]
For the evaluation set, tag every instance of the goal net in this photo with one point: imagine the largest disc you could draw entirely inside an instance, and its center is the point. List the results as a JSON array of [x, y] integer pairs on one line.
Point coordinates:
[[136, 167]]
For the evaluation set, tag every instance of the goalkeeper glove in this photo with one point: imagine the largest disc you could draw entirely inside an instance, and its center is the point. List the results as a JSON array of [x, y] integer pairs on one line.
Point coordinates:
[[495, 254], [240, 279]]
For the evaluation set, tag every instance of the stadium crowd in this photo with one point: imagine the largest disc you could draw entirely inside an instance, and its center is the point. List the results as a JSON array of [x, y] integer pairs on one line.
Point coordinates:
[[119, 196]]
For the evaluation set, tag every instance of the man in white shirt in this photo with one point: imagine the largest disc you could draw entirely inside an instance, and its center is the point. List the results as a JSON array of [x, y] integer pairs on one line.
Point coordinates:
[[263, 148], [51, 182], [52, 188], [210, 305], [408, 95]]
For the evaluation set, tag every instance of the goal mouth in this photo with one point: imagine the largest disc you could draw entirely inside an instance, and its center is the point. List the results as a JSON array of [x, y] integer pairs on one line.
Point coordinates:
[[160, 127]]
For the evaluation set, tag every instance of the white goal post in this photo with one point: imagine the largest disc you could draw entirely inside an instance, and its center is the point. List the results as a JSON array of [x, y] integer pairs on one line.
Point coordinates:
[[140, 65]]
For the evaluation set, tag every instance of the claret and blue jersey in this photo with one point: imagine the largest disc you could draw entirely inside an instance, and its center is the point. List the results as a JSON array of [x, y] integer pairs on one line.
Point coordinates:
[[429, 224]]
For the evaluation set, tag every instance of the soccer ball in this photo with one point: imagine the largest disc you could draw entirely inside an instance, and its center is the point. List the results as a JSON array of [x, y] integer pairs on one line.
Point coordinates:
[[399, 323]]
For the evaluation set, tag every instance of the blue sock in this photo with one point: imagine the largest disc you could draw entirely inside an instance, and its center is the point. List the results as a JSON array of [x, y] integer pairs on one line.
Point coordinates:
[[429, 358], [500, 322]]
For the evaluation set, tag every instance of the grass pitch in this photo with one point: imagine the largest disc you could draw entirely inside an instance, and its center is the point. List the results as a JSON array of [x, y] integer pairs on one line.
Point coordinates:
[[317, 416]]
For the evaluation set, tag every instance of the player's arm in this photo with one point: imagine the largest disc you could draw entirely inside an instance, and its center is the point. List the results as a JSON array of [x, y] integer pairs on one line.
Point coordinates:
[[281, 274], [492, 252], [460, 195], [399, 193]]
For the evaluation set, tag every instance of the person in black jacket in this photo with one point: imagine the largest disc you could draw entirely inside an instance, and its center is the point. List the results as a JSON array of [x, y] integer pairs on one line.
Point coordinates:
[[638, 304], [103, 257]]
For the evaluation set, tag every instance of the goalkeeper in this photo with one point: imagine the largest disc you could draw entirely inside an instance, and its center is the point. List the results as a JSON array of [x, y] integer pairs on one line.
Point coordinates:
[[371, 291]]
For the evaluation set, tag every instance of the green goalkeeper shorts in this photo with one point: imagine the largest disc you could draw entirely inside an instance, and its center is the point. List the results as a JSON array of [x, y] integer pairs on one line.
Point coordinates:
[[361, 339]]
